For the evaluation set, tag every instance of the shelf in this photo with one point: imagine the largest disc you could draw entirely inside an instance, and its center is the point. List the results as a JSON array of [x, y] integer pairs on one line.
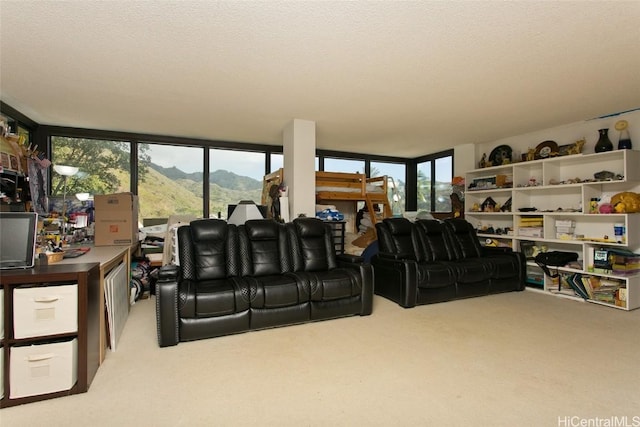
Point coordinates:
[[563, 208], [77, 352], [488, 190], [489, 213], [495, 236]]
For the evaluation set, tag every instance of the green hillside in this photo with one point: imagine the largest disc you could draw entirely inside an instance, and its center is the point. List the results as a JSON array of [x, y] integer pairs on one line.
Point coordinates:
[[160, 196], [221, 177]]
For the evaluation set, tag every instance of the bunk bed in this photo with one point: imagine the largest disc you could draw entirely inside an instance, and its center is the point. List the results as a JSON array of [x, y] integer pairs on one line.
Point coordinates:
[[341, 186], [355, 187]]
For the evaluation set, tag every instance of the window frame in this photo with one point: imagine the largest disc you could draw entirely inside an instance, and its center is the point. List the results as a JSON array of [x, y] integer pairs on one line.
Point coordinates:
[[44, 133], [413, 197]]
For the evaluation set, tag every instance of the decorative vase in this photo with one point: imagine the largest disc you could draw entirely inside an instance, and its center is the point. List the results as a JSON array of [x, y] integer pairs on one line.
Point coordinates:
[[604, 143], [624, 143]]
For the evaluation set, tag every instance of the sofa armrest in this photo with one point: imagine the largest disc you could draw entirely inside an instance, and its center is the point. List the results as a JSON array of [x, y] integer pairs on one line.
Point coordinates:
[[169, 273], [496, 250], [397, 256], [167, 306], [349, 259], [396, 279], [366, 271], [355, 262]]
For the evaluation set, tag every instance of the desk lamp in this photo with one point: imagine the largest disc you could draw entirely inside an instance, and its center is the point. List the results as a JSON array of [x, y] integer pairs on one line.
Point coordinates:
[[244, 211]]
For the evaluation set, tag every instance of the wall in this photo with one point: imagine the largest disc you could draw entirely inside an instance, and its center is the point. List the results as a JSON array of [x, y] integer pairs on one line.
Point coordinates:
[[566, 134], [464, 159]]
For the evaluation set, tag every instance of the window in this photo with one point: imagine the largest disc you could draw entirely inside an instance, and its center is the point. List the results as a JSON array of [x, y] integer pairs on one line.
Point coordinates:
[[172, 182], [396, 172], [444, 175], [235, 175], [189, 176], [343, 165], [433, 182], [424, 186], [277, 161], [104, 166]]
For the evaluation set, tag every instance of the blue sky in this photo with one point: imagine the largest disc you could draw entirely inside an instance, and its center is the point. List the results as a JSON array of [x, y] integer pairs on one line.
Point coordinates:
[[189, 159]]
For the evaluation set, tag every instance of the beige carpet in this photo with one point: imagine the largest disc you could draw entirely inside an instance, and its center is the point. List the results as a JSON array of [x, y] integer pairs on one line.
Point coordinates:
[[514, 359]]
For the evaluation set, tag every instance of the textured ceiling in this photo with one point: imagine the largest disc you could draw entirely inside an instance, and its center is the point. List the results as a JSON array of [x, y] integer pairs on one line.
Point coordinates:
[[393, 78]]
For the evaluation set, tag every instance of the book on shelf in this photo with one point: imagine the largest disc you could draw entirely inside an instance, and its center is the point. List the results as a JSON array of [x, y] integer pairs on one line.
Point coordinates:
[[607, 282], [565, 223], [575, 281], [531, 231], [560, 285], [531, 222], [622, 297], [605, 294], [586, 283], [609, 291], [564, 291]]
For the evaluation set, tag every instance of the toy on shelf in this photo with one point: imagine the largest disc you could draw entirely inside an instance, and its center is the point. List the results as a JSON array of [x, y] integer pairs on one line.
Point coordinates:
[[626, 202]]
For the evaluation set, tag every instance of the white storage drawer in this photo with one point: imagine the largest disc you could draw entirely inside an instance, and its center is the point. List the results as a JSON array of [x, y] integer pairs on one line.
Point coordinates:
[[1, 372], [43, 368], [45, 310], [1, 314]]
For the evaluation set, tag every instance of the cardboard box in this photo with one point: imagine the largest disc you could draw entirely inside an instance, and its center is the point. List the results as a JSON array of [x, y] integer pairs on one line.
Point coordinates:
[[43, 368], [116, 219]]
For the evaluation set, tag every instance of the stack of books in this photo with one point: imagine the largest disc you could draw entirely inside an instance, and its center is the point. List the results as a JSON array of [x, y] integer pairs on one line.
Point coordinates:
[[531, 227], [626, 265], [565, 229], [609, 291]]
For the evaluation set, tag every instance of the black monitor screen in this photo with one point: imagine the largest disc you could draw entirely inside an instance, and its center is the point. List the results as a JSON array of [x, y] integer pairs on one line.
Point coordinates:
[[17, 239]]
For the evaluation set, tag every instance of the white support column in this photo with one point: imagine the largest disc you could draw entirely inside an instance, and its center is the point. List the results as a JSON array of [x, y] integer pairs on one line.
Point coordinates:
[[299, 144]]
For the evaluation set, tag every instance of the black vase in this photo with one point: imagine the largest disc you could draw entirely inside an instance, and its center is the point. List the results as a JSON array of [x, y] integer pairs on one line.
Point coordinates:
[[603, 144]]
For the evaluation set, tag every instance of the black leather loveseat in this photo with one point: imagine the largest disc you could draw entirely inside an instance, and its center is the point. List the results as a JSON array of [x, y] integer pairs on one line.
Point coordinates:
[[262, 274], [431, 261]]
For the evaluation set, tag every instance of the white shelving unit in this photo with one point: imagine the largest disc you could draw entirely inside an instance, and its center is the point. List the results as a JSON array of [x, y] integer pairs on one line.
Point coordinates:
[[547, 189]]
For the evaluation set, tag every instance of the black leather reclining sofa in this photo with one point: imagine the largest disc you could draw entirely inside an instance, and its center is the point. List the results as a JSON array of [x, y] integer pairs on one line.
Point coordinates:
[[432, 261], [258, 275]]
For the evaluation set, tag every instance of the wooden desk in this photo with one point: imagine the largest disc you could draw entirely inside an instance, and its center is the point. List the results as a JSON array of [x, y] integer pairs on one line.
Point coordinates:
[[108, 257]]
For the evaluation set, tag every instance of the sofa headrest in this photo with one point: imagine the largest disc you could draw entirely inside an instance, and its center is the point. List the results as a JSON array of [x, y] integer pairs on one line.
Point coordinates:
[[208, 229], [459, 225], [430, 226], [261, 229], [310, 227], [398, 226]]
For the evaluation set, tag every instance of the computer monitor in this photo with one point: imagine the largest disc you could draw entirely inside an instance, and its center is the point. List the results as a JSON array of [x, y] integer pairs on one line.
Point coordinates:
[[17, 239]]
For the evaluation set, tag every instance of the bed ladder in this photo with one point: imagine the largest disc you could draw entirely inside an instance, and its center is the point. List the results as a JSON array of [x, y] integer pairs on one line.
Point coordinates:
[[372, 199]]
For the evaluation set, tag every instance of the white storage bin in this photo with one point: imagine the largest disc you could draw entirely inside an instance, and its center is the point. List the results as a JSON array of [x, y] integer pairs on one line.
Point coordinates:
[[1, 316], [1, 372], [43, 368], [45, 310]]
